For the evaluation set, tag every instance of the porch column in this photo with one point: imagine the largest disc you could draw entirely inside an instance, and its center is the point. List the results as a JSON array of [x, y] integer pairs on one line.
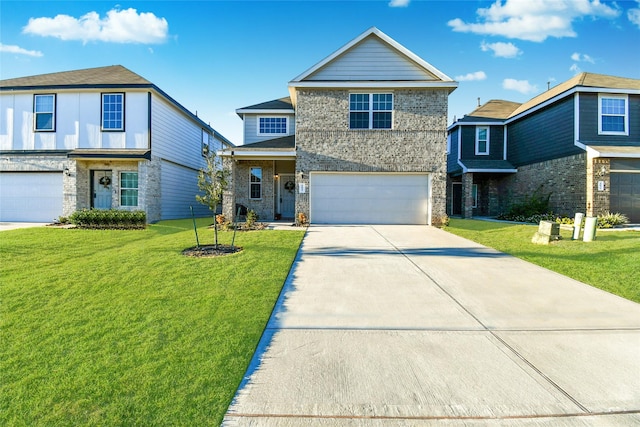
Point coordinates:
[[229, 196], [467, 195]]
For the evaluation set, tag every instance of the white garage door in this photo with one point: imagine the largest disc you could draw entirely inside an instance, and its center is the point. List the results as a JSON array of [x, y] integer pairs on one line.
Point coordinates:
[[369, 198], [30, 196]]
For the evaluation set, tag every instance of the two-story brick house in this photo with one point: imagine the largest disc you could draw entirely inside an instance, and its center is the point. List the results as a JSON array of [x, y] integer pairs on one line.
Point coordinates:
[[98, 138], [360, 139], [578, 141]]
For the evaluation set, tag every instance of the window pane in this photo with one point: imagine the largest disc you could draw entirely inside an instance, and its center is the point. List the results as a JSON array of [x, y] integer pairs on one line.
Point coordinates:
[[44, 121], [128, 197], [359, 120], [273, 125], [112, 106], [382, 120], [482, 146], [613, 123], [44, 104], [129, 180], [613, 106], [359, 102], [482, 134], [256, 175], [382, 102], [255, 191]]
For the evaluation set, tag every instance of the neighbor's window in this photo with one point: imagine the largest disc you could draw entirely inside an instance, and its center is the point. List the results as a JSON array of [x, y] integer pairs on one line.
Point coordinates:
[[482, 140], [370, 110], [113, 111], [474, 194], [613, 112], [206, 142], [44, 110], [129, 189], [255, 184], [272, 125]]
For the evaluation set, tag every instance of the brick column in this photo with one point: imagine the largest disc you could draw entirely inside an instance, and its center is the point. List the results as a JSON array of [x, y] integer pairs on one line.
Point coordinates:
[[467, 195]]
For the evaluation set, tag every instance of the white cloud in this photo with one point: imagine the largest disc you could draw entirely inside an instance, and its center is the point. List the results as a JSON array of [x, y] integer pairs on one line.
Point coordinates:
[[575, 69], [582, 57], [478, 75], [399, 3], [119, 26], [534, 20], [501, 49], [522, 86], [634, 15], [18, 50]]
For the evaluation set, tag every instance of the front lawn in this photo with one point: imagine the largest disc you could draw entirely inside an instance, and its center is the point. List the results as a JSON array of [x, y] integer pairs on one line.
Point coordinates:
[[611, 262], [111, 327]]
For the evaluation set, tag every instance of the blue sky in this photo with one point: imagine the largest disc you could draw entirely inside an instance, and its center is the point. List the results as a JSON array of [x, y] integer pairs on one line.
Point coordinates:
[[216, 56]]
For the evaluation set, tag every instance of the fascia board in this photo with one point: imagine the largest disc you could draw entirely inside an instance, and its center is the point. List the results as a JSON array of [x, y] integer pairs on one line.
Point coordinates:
[[241, 111], [369, 84]]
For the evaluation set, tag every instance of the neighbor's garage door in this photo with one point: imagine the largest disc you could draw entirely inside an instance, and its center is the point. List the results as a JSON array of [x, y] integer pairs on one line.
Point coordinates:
[[625, 195], [30, 196], [368, 198]]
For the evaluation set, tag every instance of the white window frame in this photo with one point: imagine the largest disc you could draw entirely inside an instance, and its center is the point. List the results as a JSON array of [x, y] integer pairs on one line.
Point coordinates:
[[478, 152], [206, 142], [625, 97], [371, 111], [252, 183], [102, 120], [122, 188], [37, 113], [286, 126]]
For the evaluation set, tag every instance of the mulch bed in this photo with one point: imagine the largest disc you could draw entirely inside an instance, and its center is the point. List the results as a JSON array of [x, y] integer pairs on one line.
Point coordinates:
[[210, 251]]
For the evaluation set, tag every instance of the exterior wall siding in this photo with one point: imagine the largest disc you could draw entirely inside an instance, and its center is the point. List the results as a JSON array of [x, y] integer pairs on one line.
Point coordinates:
[[496, 143], [417, 142], [544, 135], [452, 157], [250, 123], [178, 190], [589, 122], [565, 178], [238, 189]]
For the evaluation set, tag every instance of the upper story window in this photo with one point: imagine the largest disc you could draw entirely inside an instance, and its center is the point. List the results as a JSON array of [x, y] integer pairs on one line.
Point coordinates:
[[206, 143], [272, 125], [113, 111], [255, 183], [370, 110], [482, 140], [613, 114], [44, 111]]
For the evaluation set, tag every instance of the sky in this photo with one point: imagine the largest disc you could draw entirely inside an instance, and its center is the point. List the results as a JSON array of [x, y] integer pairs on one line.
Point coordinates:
[[217, 56]]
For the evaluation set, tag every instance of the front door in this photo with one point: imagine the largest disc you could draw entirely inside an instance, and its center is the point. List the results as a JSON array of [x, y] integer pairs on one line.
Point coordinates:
[[287, 196], [456, 198], [102, 181]]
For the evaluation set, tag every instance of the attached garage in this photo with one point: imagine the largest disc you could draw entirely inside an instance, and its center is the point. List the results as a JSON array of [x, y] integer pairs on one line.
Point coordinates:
[[625, 195], [30, 196], [369, 198]]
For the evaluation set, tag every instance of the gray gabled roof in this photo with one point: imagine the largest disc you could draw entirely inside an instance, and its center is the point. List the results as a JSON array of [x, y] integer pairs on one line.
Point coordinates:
[[497, 109], [481, 165], [276, 106], [114, 75], [285, 142]]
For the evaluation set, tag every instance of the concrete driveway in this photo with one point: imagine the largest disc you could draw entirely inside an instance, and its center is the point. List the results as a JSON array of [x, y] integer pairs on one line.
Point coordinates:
[[413, 326], [4, 226]]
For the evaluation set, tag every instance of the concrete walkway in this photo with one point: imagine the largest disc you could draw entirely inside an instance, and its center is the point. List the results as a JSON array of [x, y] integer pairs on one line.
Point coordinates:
[[413, 326]]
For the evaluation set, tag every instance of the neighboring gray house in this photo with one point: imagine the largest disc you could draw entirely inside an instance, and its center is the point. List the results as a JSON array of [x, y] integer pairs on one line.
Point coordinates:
[[360, 139], [98, 138], [578, 141]]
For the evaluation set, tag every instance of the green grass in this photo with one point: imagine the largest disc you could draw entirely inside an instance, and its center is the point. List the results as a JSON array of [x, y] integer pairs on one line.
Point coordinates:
[[611, 262], [111, 327]]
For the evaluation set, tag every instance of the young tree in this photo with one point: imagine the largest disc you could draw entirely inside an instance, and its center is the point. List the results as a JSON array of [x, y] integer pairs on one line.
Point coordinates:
[[212, 181]]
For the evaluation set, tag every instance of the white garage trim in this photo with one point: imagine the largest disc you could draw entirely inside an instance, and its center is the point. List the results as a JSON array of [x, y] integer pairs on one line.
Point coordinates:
[[370, 198], [30, 196]]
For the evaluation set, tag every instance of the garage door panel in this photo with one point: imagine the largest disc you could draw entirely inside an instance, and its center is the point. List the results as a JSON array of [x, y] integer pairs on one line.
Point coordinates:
[[625, 195], [30, 196], [369, 198]]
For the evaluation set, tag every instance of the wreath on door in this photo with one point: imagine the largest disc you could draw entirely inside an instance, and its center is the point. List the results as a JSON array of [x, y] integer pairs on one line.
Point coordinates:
[[289, 185], [105, 180]]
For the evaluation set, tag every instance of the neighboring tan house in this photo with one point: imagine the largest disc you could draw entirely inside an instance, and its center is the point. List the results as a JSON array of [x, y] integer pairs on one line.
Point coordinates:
[[98, 138], [360, 139], [578, 141]]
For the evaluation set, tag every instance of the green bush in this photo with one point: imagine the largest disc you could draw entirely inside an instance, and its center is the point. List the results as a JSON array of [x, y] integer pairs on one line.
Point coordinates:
[[111, 218], [610, 220], [251, 219]]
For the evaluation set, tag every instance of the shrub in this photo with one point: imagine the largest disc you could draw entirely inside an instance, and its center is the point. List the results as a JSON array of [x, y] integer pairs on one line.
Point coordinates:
[[111, 218], [302, 218], [251, 218], [610, 220], [536, 204], [440, 221]]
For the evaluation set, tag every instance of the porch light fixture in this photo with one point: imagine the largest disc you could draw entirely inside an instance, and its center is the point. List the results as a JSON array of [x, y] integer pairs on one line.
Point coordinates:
[[66, 171]]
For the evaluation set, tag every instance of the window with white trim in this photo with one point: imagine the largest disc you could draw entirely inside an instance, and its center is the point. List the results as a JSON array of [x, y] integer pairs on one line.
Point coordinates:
[[44, 112], [128, 188], [255, 183], [113, 111], [482, 140], [370, 110], [272, 125], [613, 114]]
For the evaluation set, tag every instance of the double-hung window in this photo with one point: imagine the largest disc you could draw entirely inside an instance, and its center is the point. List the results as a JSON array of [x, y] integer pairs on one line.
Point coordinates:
[[613, 114], [272, 125], [128, 188], [255, 183], [370, 110], [113, 111], [44, 111], [482, 140]]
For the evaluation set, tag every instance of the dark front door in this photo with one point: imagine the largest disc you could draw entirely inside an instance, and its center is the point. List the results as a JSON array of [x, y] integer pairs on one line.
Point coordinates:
[[456, 198], [625, 195]]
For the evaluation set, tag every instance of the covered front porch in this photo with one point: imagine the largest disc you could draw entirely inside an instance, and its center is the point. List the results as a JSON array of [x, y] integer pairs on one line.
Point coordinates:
[[262, 179]]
